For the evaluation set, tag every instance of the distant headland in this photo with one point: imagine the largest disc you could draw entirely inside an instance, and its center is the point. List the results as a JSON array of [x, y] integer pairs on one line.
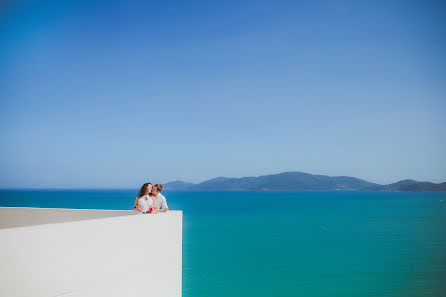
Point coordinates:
[[300, 181]]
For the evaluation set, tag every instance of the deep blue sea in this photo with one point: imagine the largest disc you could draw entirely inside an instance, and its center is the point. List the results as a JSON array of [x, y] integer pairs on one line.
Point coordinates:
[[293, 243]]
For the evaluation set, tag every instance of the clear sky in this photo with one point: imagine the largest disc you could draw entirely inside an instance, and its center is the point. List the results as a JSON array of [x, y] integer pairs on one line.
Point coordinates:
[[110, 94]]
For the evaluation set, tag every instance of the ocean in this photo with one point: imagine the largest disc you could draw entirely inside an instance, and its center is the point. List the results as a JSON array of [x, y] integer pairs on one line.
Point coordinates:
[[257, 244]]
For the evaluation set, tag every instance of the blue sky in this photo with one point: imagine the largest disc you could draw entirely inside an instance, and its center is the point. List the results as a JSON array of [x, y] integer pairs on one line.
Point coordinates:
[[110, 94]]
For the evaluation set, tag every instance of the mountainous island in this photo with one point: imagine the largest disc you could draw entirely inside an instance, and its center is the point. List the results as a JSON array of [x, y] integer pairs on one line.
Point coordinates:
[[300, 181]]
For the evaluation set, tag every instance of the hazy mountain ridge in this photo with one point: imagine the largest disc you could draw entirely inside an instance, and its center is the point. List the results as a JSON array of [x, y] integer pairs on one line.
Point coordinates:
[[178, 185], [301, 181]]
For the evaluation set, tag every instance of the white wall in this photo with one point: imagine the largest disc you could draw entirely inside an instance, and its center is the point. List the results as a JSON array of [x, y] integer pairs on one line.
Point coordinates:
[[128, 255]]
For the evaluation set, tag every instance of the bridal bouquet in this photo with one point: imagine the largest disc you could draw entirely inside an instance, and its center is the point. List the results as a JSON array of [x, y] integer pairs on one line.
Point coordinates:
[[153, 209]]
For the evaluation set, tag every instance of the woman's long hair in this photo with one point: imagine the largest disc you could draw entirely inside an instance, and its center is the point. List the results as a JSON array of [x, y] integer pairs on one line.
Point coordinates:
[[143, 190]]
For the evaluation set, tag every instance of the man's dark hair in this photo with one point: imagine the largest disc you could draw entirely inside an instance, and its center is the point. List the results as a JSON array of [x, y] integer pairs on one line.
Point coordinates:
[[159, 187]]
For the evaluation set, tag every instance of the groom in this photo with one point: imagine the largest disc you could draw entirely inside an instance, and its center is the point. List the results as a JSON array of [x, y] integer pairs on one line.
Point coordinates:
[[160, 200]]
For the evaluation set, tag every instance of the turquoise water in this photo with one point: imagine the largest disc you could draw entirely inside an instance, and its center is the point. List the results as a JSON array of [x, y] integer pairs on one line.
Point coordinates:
[[294, 243]]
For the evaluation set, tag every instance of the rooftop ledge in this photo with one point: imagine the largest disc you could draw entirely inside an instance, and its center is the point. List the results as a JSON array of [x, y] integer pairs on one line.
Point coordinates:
[[11, 217], [85, 252]]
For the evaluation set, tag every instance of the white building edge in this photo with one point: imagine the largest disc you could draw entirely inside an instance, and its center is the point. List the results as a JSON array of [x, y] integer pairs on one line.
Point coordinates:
[[73, 252]]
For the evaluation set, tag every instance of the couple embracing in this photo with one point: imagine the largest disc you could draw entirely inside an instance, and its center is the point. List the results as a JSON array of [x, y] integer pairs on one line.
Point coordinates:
[[150, 199]]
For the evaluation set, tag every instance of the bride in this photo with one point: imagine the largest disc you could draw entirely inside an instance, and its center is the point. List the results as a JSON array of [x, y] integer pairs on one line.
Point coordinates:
[[143, 202]]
